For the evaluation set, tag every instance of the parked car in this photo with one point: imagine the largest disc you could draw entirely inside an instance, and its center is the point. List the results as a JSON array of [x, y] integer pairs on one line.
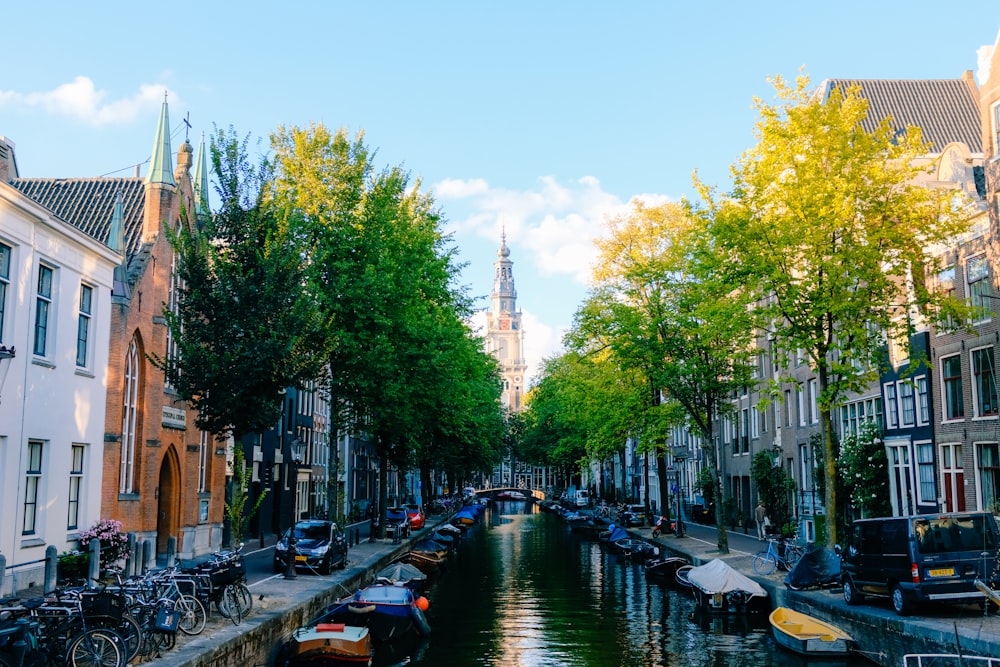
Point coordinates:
[[582, 498], [702, 514], [919, 558], [397, 522], [634, 515], [416, 515], [318, 544]]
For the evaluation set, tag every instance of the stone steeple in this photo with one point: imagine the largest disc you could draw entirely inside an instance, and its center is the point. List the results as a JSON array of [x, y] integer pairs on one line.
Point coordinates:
[[200, 180], [160, 169], [116, 241], [504, 335], [160, 183]]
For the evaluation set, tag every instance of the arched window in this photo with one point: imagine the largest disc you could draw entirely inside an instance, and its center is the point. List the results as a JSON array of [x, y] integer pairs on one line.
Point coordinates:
[[130, 410]]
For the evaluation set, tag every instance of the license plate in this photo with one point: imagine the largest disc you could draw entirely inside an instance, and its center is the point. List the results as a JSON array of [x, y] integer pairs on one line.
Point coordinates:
[[941, 572], [300, 559]]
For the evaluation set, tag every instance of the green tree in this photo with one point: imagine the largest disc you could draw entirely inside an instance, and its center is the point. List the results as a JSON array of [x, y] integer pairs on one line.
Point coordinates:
[[828, 232], [239, 508], [774, 486], [659, 306], [864, 467]]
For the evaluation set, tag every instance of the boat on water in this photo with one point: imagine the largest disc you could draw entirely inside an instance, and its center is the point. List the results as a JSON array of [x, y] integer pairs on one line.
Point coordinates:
[[430, 548], [807, 635], [333, 644], [426, 563], [948, 660], [719, 588], [387, 611], [681, 576], [665, 566], [402, 574], [511, 495], [632, 548]]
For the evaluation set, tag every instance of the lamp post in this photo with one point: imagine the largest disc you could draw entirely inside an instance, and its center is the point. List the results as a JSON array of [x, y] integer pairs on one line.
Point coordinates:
[[297, 448], [5, 354]]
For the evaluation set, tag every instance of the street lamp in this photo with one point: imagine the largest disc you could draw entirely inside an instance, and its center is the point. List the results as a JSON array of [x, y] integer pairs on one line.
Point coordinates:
[[298, 451], [5, 354]]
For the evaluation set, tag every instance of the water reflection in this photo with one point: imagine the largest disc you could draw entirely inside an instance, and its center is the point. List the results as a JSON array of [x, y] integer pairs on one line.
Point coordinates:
[[523, 590]]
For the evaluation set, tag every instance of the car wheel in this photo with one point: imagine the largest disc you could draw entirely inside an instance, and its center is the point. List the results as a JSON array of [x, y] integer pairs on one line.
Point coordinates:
[[326, 566], [900, 602], [277, 566], [851, 594]]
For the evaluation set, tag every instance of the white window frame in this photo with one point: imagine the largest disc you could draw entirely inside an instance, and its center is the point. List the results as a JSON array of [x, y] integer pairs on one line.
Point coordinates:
[[74, 498], [891, 399], [921, 448], [44, 326], [33, 481], [801, 394], [902, 387], [84, 325], [754, 422], [922, 399], [977, 409], [130, 418], [944, 389], [814, 401], [6, 259], [950, 469], [977, 283]]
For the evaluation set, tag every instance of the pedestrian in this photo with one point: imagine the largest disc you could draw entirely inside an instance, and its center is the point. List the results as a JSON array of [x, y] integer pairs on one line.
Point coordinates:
[[760, 514]]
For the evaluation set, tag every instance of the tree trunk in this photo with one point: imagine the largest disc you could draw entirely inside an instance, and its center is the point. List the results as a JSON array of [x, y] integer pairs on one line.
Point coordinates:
[[383, 486], [661, 479], [829, 463]]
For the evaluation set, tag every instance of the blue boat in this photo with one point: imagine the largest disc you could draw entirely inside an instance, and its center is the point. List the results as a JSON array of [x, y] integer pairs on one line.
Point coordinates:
[[387, 611]]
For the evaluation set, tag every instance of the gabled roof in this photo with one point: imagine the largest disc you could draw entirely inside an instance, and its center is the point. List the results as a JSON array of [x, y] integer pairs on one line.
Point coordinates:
[[946, 110], [89, 204]]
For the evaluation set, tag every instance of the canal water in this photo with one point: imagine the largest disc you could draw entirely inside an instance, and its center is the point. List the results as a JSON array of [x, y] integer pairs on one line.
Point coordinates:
[[525, 591]]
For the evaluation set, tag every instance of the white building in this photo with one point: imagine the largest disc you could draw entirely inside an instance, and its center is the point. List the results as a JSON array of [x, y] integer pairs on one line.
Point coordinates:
[[55, 309]]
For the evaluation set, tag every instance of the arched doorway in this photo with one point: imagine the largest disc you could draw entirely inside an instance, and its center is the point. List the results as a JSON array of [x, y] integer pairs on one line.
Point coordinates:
[[167, 501]]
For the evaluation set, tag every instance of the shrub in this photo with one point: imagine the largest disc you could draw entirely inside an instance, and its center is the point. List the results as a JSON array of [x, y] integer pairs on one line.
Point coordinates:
[[114, 543]]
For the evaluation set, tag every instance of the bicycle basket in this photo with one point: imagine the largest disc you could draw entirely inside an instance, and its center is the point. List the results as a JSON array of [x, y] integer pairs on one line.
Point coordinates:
[[224, 576], [102, 604], [167, 620]]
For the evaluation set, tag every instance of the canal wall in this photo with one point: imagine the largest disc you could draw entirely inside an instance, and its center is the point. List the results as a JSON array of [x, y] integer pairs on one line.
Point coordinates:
[[281, 606]]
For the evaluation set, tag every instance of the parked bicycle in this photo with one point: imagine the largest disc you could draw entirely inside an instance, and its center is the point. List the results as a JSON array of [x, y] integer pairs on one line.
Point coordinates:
[[779, 553]]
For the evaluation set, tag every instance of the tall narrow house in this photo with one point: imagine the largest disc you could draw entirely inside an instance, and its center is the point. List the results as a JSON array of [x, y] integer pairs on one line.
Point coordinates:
[[163, 478]]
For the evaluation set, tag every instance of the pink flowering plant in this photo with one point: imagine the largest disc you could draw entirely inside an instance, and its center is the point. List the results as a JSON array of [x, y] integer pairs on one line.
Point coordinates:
[[114, 543]]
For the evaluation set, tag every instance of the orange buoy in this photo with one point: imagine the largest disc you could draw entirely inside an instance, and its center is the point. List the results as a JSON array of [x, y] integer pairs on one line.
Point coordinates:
[[422, 603]]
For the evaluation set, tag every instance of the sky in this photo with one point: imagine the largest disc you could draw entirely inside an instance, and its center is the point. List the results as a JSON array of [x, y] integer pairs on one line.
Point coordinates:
[[541, 120]]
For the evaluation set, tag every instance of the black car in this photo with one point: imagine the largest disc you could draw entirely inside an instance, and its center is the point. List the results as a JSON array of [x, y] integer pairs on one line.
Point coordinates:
[[318, 544], [634, 515]]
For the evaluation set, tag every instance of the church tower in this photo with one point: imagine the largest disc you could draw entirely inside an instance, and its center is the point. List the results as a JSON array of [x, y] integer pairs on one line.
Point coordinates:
[[504, 335]]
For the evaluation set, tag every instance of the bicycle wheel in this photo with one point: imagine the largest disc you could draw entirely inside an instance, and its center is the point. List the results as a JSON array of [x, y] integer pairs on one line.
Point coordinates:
[[131, 632], [764, 563], [245, 598], [792, 556], [99, 647], [232, 604], [222, 603], [192, 615]]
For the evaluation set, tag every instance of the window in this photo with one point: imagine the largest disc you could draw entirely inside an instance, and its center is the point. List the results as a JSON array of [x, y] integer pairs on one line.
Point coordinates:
[[977, 273], [788, 408], [32, 480], [951, 380], [801, 393], [989, 475], [130, 414], [952, 477], [83, 324], [907, 404], [43, 304], [923, 401], [5, 252], [899, 350], [754, 422], [946, 285], [854, 414], [203, 446], [813, 401], [925, 472], [75, 480], [984, 382], [891, 407], [173, 304]]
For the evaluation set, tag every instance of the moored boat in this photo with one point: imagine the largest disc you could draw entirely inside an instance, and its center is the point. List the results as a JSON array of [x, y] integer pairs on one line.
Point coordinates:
[[633, 548], [426, 563], [719, 588], [807, 635], [402, 574], [328, 644], [387, 611], [665, 567]]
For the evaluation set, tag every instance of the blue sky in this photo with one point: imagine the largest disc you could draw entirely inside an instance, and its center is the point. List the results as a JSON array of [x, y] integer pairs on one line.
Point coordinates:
[[544, 118]]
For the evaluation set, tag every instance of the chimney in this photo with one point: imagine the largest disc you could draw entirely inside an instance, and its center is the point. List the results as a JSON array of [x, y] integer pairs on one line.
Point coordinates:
[[8, 163]]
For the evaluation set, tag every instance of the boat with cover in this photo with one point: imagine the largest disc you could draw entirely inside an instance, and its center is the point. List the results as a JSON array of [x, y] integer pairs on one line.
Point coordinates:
[[387, 611], [719, 588], [402, 574], [328, 644], [807, 635]]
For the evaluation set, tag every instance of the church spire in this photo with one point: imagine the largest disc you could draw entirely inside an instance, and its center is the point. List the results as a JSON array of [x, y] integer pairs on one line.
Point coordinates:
[[160, 169], [504, 296], [116, 241], [201, 179]]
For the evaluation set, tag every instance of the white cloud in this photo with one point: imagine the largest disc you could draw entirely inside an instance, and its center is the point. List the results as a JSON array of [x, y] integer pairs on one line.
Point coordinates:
[[82, 101]]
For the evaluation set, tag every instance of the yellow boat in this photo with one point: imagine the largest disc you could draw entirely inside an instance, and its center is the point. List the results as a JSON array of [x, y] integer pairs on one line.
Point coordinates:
[[809, 636]]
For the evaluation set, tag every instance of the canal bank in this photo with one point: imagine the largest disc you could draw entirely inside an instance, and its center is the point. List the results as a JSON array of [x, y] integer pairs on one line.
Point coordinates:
[[881, 635], [280, 607]]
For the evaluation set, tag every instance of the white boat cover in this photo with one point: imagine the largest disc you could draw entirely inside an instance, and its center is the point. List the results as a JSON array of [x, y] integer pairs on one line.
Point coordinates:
[[717, 577]]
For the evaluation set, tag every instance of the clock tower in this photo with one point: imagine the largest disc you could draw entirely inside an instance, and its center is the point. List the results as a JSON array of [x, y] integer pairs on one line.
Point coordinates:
[[504, 335]]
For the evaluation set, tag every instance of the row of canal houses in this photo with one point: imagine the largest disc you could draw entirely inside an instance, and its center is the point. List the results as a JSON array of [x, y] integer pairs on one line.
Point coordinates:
[[940, 419], [89, 429]]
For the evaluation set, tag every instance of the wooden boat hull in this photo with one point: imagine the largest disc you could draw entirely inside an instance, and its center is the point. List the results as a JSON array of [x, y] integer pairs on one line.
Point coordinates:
[[808, 636], [664, 567], [329, 644]]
